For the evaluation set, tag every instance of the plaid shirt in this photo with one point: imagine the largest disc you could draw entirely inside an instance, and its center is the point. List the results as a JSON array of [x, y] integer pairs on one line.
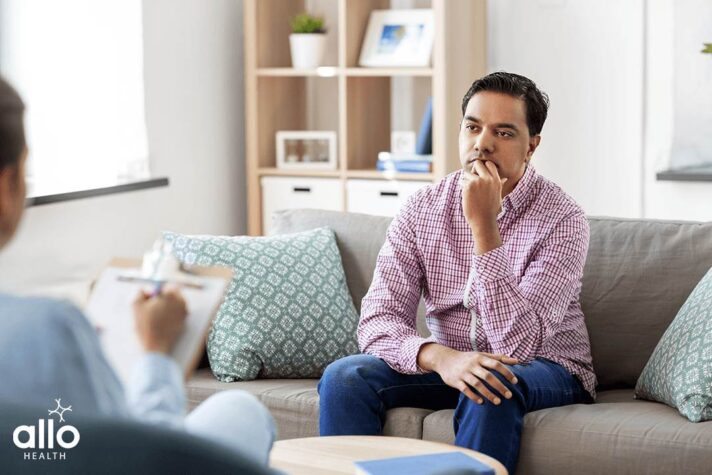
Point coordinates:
[[521, 299]]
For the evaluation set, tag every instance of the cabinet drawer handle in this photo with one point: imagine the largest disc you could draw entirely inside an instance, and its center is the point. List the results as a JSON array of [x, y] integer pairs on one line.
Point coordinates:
[[389, 193], [301, 189]]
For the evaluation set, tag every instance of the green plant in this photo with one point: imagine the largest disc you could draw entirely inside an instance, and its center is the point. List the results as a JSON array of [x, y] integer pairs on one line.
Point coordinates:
[[707, 48], [306, 23]]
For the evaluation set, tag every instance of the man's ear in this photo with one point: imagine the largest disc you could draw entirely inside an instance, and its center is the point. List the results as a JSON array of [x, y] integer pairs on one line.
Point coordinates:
[[533, 144]]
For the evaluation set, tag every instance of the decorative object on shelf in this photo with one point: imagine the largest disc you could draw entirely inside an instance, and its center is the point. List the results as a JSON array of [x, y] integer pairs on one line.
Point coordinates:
[[307, 42], [404, 162], [424, 144], [302, 150], [401, 38], [402, 141]]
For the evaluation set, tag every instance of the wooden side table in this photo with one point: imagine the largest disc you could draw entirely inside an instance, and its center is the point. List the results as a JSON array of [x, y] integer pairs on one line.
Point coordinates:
[[336, 455]]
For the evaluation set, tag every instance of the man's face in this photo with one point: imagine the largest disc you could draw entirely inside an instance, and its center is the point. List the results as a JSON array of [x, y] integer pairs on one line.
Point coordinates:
[[494, 129]]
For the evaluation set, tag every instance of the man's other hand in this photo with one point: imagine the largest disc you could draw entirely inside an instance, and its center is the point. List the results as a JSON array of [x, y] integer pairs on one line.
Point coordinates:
[[469, 371], [159, 319]]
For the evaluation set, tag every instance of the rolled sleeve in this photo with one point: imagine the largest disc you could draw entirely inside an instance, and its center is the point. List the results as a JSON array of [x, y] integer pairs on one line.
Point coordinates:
[[409, 354], [492, 266]]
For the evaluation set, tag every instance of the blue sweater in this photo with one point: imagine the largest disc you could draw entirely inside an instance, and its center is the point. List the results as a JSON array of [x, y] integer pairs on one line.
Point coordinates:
[[49, 350]]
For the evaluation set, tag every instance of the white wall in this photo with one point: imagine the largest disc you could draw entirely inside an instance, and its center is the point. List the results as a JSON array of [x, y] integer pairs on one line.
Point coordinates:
[[194, 112], [666, 199], [608, 67], [588, 56]]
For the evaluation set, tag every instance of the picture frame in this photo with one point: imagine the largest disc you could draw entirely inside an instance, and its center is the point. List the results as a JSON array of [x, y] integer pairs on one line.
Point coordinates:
[[306, 150], [398, 38]]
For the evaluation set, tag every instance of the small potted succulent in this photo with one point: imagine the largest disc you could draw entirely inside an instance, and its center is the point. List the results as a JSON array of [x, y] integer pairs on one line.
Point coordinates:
[[307, 41]]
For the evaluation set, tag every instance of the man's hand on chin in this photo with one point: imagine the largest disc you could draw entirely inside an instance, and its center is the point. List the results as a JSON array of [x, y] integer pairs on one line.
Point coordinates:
[[481, 202], [468, 371]]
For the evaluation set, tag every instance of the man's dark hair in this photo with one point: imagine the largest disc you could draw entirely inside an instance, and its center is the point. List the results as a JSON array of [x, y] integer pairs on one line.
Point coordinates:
[[12, 130], [536, 102]]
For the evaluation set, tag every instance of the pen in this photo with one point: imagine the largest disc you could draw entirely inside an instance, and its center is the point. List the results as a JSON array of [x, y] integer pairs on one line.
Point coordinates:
[[156, 290]]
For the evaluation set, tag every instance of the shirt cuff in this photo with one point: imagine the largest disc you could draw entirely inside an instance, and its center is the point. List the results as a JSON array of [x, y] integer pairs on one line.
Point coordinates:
[[155, 391], [409, 353], [492, 265]]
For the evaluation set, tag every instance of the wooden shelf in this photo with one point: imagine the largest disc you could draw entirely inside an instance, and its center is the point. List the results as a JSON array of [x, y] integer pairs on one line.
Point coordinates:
[[324, 71], [362, 105], [268, 171], [365, 174], [389, 72], [333, 71], [379, 175]]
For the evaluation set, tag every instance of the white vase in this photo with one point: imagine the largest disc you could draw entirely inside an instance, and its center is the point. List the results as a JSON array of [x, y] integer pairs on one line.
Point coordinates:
[[307, 49]]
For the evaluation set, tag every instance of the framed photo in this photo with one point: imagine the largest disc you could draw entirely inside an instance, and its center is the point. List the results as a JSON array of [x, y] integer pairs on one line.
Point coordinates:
[[306, 150], [398, 38]]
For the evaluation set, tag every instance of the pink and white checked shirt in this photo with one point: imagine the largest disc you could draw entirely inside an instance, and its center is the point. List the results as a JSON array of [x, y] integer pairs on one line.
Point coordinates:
[[521, 299]]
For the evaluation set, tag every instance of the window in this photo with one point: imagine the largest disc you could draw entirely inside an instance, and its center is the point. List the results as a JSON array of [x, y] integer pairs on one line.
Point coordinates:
[[692, 139], [78, 65]]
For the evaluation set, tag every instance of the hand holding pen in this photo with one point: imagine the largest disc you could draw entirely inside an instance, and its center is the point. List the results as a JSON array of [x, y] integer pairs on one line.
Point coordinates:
[[159, 318], [160, 313]]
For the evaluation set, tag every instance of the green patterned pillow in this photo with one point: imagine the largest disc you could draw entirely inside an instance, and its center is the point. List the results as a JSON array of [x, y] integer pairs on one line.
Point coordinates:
[[287, 313], [679, 373]]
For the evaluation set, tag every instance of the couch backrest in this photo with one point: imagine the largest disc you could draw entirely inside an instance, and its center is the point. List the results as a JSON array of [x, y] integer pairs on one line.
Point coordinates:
[[638, 274], [359, 237]]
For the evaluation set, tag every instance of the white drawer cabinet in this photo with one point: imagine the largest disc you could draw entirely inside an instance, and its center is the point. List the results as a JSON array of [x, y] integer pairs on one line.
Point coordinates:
[[295, 192], [379, 197]]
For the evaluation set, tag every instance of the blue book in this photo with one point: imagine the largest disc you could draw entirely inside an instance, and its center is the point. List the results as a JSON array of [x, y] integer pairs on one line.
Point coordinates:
[[405, 166], [424, 142], [431, 464]]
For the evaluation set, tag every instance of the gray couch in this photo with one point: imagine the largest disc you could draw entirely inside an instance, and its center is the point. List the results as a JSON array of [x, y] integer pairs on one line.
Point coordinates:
[[638, 274]]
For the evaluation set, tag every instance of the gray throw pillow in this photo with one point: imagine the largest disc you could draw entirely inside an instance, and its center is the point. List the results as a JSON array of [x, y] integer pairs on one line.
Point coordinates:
[[287, 313], [679, 372]]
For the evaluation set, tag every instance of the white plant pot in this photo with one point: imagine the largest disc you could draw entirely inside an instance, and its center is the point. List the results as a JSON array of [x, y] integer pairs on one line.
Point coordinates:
[[307, 49]]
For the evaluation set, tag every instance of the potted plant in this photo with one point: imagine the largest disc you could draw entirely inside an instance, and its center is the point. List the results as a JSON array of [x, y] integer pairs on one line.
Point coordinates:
[[707, 48], [307, 41]]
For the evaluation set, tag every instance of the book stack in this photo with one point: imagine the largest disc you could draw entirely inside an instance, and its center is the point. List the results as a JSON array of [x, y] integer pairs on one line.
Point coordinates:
[[419, 162], [404, 162]]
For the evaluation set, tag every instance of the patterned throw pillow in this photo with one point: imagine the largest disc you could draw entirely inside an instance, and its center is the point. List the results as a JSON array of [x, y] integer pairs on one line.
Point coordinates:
[[679, 373], [287, 313]]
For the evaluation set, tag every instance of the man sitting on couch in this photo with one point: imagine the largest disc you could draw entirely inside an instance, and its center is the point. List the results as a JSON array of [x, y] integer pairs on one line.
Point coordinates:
[[51, 351], [497, 252]]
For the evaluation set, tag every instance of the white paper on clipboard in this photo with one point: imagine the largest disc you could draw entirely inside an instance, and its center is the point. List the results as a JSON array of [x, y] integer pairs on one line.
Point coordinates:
[[110, 310]]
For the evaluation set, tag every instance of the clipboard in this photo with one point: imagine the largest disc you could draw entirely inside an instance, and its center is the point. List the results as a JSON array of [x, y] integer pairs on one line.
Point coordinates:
[[110, 310]]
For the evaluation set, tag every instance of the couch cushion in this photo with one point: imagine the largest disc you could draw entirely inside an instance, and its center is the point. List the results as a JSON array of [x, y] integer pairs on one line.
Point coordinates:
[[607, 437], [679, 373], [287, 313], [359, 237], [637, 276], [294, 404]]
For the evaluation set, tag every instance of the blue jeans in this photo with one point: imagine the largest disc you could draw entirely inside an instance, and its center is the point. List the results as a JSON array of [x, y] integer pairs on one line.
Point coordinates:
[[355, 393]]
